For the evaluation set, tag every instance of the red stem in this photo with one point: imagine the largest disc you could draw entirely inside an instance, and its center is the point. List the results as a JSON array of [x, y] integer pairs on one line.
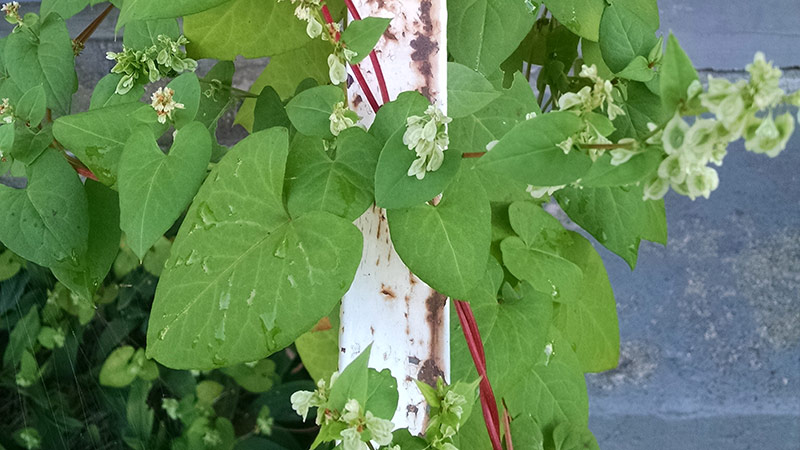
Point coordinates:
[[488, 401], [472, 155], [356, 70], [372, 56], [507, 425]]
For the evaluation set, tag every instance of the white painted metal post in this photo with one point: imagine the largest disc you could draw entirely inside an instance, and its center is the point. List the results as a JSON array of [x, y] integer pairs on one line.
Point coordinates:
[[406, 321]]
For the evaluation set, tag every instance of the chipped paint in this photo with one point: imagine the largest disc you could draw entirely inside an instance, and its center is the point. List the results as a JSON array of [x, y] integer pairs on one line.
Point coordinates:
[[406, 321]]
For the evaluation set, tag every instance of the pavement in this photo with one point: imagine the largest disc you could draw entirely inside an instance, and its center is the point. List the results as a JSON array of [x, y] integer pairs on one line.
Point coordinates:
[[710, 325]]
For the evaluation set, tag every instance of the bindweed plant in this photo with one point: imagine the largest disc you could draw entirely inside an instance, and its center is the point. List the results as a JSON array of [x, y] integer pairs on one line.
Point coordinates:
[[188, 275]]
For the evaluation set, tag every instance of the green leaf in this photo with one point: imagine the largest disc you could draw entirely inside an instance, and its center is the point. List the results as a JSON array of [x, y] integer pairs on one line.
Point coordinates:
[[142, 34], [483, 33], [104, 237], [250, 28], [22, 338], [360, 36], [139, 417], [352, 383], [47, 60], [527, 434], [155, 188], [617, 217], [382, 395], [310, 110], [319, 348], [473, 132], [530, 154], [64, 8], [590, 323], [285, 71], [395, 189], [32, 106], [274, 278], [392, 116], [340, 183], [623, 37], [638, 70], [644, 10], [116, 370], [156, 256], [216, 98], [187, 92], [677, 73], [258, 377], [97, 137], [29, 143], [641, 107], [638, 168], [270, 111], [10, 265], [536, 256], [567, 436], [47, 222], [467, 91], [582, 17], [105, 94], [446, 246], [157, 9]]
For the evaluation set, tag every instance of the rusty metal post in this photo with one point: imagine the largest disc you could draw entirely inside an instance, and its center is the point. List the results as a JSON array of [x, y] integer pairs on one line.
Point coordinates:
[[388, 306]]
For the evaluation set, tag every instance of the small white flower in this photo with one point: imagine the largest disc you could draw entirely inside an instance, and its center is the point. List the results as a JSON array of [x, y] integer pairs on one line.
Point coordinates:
[[212, 438], [381, 429], [164, 104], [530, 115], [567, 145], [674, 135], [656, 189], [491, 145], [351, 440], [301, 402], [702, 182], [427, 136], [764, 80], [541, 191], [314, 28], [673, 168], [170, 406], [12, 12], [454, 402], [352, 411], [769, 136], [340, 119], [6, 111], [336, 69]]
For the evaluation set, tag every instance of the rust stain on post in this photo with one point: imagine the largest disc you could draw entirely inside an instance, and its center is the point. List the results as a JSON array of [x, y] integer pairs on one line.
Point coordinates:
[[431, 368]]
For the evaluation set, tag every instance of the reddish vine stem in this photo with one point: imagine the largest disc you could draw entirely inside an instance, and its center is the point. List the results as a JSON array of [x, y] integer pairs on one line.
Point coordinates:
[[372, 56], [507, 425], [356, 70], [488, 402], [472, 155], [92, 27], [79, 167]]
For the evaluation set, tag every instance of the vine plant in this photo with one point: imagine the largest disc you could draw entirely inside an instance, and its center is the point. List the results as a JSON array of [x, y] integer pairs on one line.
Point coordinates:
[[266, 246]]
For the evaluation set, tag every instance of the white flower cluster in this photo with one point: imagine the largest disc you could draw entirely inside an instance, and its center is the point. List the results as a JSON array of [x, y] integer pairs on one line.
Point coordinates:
[[690, 149], [589, 98], [6, 112], [427, 136], [355, 419], [11, 11], [162, 59], [164, 104], [308, 10], [342, 118]]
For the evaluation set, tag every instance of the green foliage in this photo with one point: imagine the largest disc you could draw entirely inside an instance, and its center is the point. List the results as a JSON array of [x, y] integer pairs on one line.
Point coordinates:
[[233, 261], [304, 264]]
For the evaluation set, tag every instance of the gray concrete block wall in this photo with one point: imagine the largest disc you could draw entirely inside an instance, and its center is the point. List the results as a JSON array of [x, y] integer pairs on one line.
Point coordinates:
[[710, 325]]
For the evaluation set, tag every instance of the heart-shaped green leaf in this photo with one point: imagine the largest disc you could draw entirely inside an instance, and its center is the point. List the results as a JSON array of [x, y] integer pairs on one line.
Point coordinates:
[[530, 153], [244, 278], [395, 189], [155, 188], [535, 256], [467, 91], [446, 246], [104, 237], [310, 110], [45, 59], [47, 222], [98, 136], [187, 92], [360, 36], [340, 183]]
